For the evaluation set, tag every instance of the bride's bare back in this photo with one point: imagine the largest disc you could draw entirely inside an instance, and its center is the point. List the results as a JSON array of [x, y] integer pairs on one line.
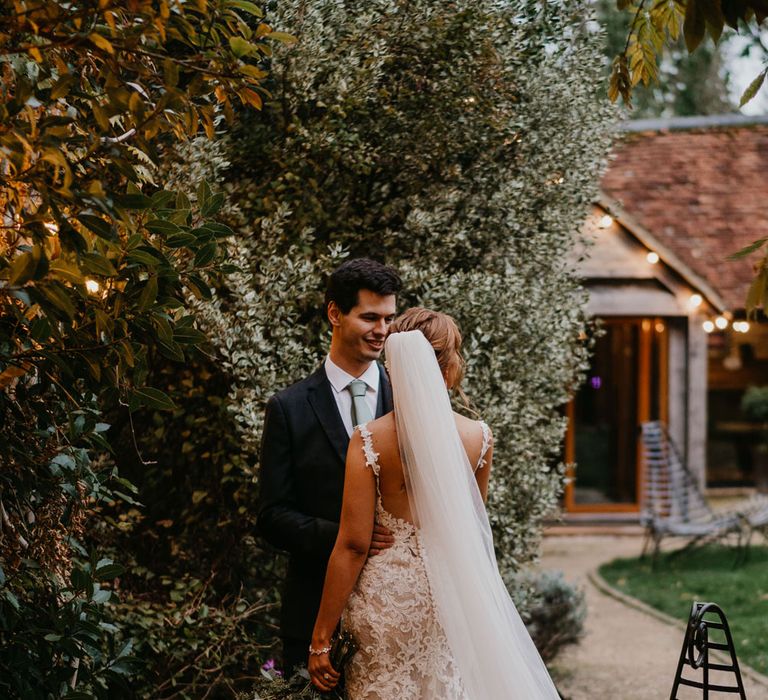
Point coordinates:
[[394, 498]]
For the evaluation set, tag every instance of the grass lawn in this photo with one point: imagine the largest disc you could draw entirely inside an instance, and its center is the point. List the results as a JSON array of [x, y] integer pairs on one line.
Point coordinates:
[[705, 575]]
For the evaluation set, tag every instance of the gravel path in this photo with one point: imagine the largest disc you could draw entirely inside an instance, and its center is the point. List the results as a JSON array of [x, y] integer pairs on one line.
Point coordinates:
[[625, 654]]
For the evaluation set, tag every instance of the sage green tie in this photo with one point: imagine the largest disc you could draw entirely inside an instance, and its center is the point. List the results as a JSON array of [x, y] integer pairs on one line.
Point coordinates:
[[361, 412]]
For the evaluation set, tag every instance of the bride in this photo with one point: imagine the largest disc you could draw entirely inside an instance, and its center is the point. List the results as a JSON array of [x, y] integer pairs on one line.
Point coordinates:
[[431, 615]]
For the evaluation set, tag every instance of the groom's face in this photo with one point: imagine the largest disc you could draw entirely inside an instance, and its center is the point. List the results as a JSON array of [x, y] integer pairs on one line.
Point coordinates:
[[363, 330]]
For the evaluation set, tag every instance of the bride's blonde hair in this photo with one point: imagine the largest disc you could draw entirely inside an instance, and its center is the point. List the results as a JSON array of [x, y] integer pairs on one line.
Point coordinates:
[[443, 335]]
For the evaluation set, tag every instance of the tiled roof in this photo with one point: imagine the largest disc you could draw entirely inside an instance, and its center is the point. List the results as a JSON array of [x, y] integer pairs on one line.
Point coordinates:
[[701, 188]]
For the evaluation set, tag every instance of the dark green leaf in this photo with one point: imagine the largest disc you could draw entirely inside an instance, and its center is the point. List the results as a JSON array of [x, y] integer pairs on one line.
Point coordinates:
[[99, 226], [206, 254], [134, 201], [182, 201], [154, 398], [203, 193], [189, 336], [97, 264], [213, 204], [162, 199], [198, 287], [162, 226], [148, 294], [109, 571], [171, 350], [60, 298], [219, 230], [181, 240], [751, 248], [144, 258]]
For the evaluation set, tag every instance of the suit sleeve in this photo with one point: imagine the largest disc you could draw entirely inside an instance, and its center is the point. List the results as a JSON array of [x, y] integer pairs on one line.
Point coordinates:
[[279, 520]]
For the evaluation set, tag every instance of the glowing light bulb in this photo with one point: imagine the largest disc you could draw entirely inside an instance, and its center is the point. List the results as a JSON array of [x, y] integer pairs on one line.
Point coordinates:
[[92, 286], [708, 326], [721, 322], [659, 327], [652, 257], [605, 221], [695, 300], [745, 326]]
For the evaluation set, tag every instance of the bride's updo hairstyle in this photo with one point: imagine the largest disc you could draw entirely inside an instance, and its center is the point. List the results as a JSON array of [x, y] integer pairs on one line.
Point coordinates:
[[443, 335]]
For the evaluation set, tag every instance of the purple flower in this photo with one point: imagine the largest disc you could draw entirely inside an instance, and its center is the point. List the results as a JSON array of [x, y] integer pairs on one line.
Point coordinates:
[[269, 665]]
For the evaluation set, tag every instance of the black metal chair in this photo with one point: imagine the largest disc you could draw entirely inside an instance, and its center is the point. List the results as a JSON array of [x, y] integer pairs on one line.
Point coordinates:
[[695, 653]]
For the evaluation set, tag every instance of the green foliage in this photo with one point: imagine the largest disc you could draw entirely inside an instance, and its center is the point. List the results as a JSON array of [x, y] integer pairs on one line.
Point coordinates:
[[456, 151], [754, 403], [555, 611], [96, 265], [705, 574]]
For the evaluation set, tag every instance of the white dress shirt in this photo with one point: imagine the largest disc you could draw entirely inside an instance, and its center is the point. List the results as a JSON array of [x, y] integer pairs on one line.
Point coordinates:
[[340, 380]]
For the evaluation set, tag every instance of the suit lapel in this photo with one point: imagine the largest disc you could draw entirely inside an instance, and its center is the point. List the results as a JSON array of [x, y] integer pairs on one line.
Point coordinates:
[[384, 402], [321, 399]]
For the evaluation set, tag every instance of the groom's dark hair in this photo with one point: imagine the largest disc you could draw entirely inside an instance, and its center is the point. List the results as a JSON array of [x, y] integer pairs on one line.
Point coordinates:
[[360, 273]]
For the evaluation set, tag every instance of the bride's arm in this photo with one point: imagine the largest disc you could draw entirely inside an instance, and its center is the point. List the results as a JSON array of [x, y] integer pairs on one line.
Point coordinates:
[[348, 556]]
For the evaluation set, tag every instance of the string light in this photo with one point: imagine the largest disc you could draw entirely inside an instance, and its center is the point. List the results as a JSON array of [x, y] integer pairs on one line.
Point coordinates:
[[721, 322], [708, 326], [652, 257], [695, 300], [741, 326], [605, 221]]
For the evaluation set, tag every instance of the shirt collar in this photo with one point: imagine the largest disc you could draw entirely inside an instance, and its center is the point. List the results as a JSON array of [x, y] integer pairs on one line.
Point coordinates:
[[340, 379]]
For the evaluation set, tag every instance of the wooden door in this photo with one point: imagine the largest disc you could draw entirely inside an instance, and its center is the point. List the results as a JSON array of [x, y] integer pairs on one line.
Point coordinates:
[[626, 384]]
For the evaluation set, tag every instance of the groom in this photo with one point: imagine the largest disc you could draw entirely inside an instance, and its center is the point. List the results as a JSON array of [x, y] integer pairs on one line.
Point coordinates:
[[306, 433]]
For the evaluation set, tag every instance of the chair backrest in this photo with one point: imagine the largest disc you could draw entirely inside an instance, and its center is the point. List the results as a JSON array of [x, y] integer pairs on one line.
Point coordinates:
[[670, 491]]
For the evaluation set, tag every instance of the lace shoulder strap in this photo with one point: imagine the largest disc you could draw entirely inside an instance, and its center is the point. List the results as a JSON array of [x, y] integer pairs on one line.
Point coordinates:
[[487, 439], [371, 457]]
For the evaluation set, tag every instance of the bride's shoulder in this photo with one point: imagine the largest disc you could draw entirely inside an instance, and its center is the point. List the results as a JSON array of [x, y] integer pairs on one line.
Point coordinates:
[[381, 428], [475, 434], [472, 425]]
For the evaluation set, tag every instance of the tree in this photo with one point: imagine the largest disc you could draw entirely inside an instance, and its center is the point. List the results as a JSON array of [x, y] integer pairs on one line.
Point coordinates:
[[688, 84], [96, 264], [460, 142], [657, 22]]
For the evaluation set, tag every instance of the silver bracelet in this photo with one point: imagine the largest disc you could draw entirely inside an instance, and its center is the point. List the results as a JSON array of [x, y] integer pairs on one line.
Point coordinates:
[[318, 652]]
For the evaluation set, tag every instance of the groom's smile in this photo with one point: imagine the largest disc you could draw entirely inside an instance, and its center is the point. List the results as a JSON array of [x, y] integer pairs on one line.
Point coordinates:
[[359, 335]]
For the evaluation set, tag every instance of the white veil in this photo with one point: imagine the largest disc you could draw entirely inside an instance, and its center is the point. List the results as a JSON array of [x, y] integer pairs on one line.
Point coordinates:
[[494, 653]]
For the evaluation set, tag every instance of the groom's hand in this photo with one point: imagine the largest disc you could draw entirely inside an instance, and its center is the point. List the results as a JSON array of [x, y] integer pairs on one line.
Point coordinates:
[[382, 539]]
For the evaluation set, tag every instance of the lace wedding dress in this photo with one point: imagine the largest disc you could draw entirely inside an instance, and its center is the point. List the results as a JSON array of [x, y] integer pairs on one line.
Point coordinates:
[[404, 653]]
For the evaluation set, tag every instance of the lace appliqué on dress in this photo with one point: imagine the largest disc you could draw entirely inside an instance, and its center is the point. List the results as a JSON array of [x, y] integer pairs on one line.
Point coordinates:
[[403, 653], [487, 439]]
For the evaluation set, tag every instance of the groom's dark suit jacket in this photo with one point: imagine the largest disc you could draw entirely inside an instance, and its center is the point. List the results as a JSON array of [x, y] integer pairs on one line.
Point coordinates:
[[303, 454]]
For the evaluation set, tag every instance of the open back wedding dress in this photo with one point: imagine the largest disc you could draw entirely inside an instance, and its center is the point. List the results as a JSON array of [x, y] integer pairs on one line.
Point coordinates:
[[431, 615]]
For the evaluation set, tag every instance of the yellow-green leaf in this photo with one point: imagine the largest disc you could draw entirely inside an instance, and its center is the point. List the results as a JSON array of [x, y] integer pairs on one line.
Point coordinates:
[[753, 88], [240, 47], [101, 42], [283, 37]]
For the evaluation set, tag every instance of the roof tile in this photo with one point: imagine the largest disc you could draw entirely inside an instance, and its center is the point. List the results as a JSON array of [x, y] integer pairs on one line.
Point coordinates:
[[701, 192]]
